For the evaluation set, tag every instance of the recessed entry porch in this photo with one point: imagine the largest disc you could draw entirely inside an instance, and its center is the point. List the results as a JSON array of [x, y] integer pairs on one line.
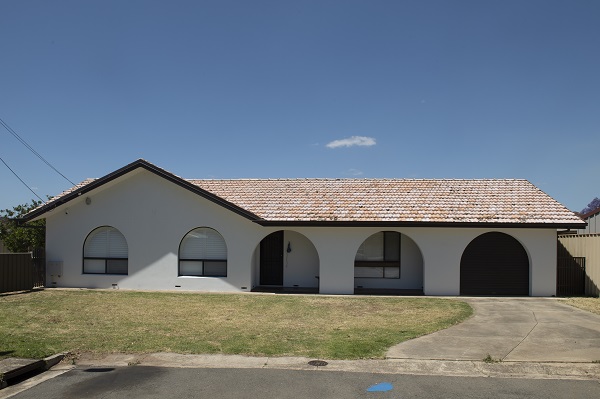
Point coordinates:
[[386, 263], [285, 261]]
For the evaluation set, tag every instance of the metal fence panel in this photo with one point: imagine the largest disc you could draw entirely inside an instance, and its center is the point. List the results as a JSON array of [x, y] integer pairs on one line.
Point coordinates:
[[587, 246], [16, 272], [570, 276], [38, 258]]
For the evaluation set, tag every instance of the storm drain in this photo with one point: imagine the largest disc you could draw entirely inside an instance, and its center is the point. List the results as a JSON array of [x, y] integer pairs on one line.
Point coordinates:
[[99, 370], [318, 363]]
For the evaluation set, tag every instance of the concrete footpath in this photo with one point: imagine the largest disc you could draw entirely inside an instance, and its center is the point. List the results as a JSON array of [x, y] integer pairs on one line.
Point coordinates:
[[17, 368], [388, 366]]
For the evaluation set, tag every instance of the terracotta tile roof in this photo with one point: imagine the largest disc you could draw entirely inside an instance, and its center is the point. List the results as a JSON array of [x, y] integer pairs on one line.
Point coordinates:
[[390, 200], [63, 194], [418, 201], [72, 189]]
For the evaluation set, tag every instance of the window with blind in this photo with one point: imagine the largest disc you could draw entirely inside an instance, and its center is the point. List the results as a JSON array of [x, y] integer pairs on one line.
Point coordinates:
[[105, 251], [203, 252], [379, 256]]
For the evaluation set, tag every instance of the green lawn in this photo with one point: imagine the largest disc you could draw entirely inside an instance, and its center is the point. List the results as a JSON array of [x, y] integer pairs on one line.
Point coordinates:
[[41, 323], [589, 304]]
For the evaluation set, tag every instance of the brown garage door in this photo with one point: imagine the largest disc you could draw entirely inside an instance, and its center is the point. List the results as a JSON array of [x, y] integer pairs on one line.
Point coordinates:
[[494, 264]]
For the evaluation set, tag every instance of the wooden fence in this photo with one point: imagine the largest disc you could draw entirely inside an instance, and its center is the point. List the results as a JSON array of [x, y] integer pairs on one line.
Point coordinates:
[[574, 247], [24, 271]]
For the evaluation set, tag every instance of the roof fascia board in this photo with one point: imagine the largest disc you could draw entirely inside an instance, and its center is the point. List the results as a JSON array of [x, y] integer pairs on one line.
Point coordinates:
[[128, 169], [334, 223]]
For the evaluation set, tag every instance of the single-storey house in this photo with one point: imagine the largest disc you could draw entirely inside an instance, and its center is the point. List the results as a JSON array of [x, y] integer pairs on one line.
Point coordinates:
[[592, 218], [142, 227]]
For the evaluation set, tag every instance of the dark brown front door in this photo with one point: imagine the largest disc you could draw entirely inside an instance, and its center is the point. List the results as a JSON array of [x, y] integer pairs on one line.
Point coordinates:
[[271, 259]]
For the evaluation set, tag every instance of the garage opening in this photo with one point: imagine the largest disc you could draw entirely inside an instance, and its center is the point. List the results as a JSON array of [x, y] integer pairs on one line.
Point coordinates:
[[494, 264]]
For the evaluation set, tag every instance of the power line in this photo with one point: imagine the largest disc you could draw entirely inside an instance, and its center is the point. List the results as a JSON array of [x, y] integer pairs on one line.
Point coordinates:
[[30, 148], [21, 180]]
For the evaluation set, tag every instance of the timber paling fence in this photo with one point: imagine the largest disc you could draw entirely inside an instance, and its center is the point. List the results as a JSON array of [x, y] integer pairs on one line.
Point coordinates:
[[579, 254], [22, 271]]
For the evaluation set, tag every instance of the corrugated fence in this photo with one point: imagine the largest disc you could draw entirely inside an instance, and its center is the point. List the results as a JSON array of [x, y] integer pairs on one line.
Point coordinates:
[[24, 271], [583, 246]]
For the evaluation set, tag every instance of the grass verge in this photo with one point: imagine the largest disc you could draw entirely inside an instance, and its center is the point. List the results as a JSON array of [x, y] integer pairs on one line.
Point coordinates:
[[38, 324], [589, 304]]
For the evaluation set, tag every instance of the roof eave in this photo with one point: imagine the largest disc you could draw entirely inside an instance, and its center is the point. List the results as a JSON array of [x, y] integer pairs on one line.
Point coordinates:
[[337, 223]]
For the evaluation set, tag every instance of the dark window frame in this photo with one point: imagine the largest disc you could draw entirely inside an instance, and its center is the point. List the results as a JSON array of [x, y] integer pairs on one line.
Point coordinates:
[[105, 265], [106, 259], [385, 264], [180, 259], [203, 273]]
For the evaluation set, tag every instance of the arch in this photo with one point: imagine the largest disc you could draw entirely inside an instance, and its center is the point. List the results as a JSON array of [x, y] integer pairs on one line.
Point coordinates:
[[202, 252], [105, 251], [286, 259], [388, 260], [494, 263]]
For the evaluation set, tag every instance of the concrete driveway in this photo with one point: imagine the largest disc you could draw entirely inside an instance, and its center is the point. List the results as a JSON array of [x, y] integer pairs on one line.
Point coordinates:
[[512, 329]]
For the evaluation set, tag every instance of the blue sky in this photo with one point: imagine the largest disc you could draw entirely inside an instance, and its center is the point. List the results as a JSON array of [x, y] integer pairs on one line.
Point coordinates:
[[234, 89]]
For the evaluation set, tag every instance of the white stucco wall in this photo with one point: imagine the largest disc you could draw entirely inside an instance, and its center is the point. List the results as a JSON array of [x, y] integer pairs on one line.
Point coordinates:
[[301, 265], [154, 215], [442, 249]]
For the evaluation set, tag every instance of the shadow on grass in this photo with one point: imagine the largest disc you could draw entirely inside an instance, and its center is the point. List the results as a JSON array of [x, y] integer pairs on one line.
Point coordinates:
[[20, 292]]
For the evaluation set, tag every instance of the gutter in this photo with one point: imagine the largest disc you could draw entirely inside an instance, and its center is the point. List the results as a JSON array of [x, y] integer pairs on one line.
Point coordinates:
[[336, 223]]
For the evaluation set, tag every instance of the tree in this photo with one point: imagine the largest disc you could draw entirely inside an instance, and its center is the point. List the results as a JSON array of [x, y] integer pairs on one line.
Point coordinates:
[[22, 238], [592, 206]]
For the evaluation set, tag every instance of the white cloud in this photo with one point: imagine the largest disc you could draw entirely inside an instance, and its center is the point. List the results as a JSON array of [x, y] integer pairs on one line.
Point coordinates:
[[352, 141], [354, 172]]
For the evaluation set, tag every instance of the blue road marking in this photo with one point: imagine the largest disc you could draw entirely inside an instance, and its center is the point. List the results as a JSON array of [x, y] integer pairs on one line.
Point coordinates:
[[381, 387]]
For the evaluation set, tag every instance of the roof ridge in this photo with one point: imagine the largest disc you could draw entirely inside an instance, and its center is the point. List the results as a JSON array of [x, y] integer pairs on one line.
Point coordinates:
[[352, 179]]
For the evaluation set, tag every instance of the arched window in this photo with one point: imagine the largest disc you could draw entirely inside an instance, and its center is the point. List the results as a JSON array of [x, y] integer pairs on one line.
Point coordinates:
[[105, 251], [379, 256], [203, 252]]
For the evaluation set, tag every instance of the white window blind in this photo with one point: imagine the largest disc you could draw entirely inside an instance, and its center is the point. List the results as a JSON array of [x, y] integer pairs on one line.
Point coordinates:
[[190, 268], [94, 266], [203, 243], [105, 242]]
